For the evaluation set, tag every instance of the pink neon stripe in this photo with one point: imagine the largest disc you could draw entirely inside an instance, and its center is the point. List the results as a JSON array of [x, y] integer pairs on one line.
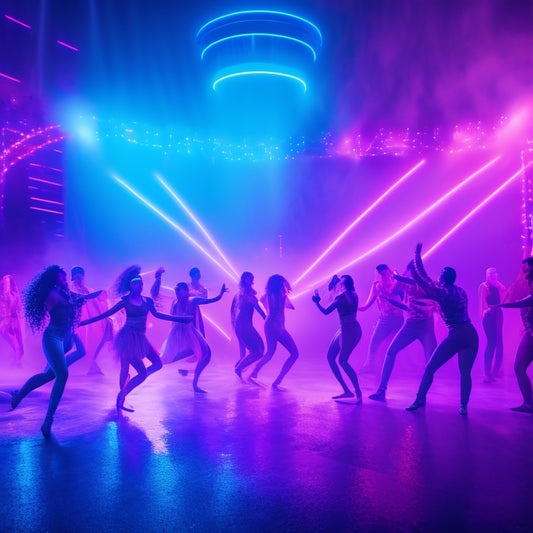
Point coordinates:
[[17, 21], [359, 218], [47, 210], [46, 181], [475, 210], [67, 45], [9, 77], [407, 226], [47, 201]]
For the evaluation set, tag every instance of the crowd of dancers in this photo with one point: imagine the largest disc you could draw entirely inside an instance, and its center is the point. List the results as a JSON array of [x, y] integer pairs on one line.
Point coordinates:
[[57, 309]]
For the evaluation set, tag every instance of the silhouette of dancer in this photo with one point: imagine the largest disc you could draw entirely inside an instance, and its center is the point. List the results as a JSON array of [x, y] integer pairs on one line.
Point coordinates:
[[275, 301], [348, 336], [462, 337], [10, 314]]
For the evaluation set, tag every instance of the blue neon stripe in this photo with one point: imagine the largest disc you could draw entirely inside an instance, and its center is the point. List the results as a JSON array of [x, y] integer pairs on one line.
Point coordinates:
[[260, 11], [276, 35], [262, 72]]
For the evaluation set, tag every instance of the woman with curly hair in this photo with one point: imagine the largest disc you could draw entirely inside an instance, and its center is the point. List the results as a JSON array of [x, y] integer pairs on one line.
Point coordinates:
[[48, 295], [131, 343], [348, 336], [276, 300], [245, 303], [10, 313]]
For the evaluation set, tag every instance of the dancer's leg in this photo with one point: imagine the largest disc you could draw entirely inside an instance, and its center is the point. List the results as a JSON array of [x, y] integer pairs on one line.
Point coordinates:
[[333, 351], [524, 357], [271, 333], [427, 337], [204, 360], [490, 328], [498, 357], [287, 341], [256, 347], [385, 327], [349, 340]]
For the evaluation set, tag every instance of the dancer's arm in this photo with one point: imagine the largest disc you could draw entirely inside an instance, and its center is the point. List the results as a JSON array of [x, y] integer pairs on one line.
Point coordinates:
[[526, 302], [154, 291], [483, 293], [372, 295], [80, 298], [403, 279], [422, 279], [396, 303], [203, 301], [163, 316], [259, 309], [288, 303], [117, 307], [326, 310]]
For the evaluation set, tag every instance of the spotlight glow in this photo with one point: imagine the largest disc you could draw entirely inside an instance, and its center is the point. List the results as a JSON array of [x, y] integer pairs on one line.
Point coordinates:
[[251, 35], [173, 224], [261, 73], [196, 221], [359, 218], [475, 210], [261, 12], [405, 227]]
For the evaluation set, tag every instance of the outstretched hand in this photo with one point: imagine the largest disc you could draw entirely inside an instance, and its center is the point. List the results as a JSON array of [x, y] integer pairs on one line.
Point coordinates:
[[223, 289], [418, 248], [316, 298], [159, 272]]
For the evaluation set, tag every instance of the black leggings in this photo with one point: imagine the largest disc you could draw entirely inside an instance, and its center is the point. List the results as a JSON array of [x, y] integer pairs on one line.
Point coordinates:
[[493, 326]]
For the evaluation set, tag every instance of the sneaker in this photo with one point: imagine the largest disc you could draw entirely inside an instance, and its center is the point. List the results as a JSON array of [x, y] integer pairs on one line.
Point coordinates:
[[524, 408], [462, 410], [379, 396], [416, 405]]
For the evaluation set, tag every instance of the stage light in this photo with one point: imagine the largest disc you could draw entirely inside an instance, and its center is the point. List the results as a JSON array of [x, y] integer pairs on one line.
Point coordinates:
[[46, 201], [196, 221], [475, 210], [260, 12], [17, 21], [405, 227], [243, 35], [173, 224], [47, 210], [9, 77], [359, 218], [261, 73], [67, 45]]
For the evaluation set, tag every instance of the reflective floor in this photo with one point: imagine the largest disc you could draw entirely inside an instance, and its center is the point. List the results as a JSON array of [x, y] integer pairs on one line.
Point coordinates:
[[247, 458]]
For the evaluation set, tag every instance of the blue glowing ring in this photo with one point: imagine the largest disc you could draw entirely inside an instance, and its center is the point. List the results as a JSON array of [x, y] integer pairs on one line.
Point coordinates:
[[259, 72], [260, 11], [275, 35]]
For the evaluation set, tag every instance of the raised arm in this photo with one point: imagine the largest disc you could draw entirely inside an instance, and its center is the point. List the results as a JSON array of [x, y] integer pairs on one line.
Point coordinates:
[[372, 295], [260, 310], [117, 307], [325, 310], [154, 291], [164, 316], [203, 301], [422, 279]]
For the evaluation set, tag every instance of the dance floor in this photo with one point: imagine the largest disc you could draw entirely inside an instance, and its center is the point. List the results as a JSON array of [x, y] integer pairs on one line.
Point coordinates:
[[247, 458]]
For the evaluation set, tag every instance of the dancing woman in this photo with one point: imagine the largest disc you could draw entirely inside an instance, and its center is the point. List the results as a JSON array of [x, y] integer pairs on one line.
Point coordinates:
[[185, 340], [491, 293], [462, 337], [48, 294], [243, 310], [276, 300], [390, 316], [10, 312], [524, 354], [131, 343], [348, 336], [418, 326]]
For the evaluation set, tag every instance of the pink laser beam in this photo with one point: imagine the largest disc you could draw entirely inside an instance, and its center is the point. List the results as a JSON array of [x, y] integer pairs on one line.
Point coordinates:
[[196, 221], [17, 21], [409, 224], [9, 77], [67, 45], [359, 218], [475, 210], [174, 225]]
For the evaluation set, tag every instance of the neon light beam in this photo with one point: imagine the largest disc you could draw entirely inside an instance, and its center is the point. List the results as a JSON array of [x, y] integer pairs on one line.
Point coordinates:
[[196, 221], [475, 210], [408, 225], [260, 72], [242, 35], [17, 21], [173, 224], [9, 77], [359, 218]]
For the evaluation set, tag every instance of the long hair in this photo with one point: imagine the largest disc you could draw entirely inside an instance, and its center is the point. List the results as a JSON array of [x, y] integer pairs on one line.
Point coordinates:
[[348, 282], [122, 283], [243, 286], [277, 285], [35, 295]]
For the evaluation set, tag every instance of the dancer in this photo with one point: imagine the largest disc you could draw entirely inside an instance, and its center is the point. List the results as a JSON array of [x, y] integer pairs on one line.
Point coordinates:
[[197, 290], [390, 316], [462, 338], [246, 302], [524, 354], [418, 326], [276, 300], [491, 293], [131, 343], [48, 294], [348, 336], [10, 312], [185, 340]]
